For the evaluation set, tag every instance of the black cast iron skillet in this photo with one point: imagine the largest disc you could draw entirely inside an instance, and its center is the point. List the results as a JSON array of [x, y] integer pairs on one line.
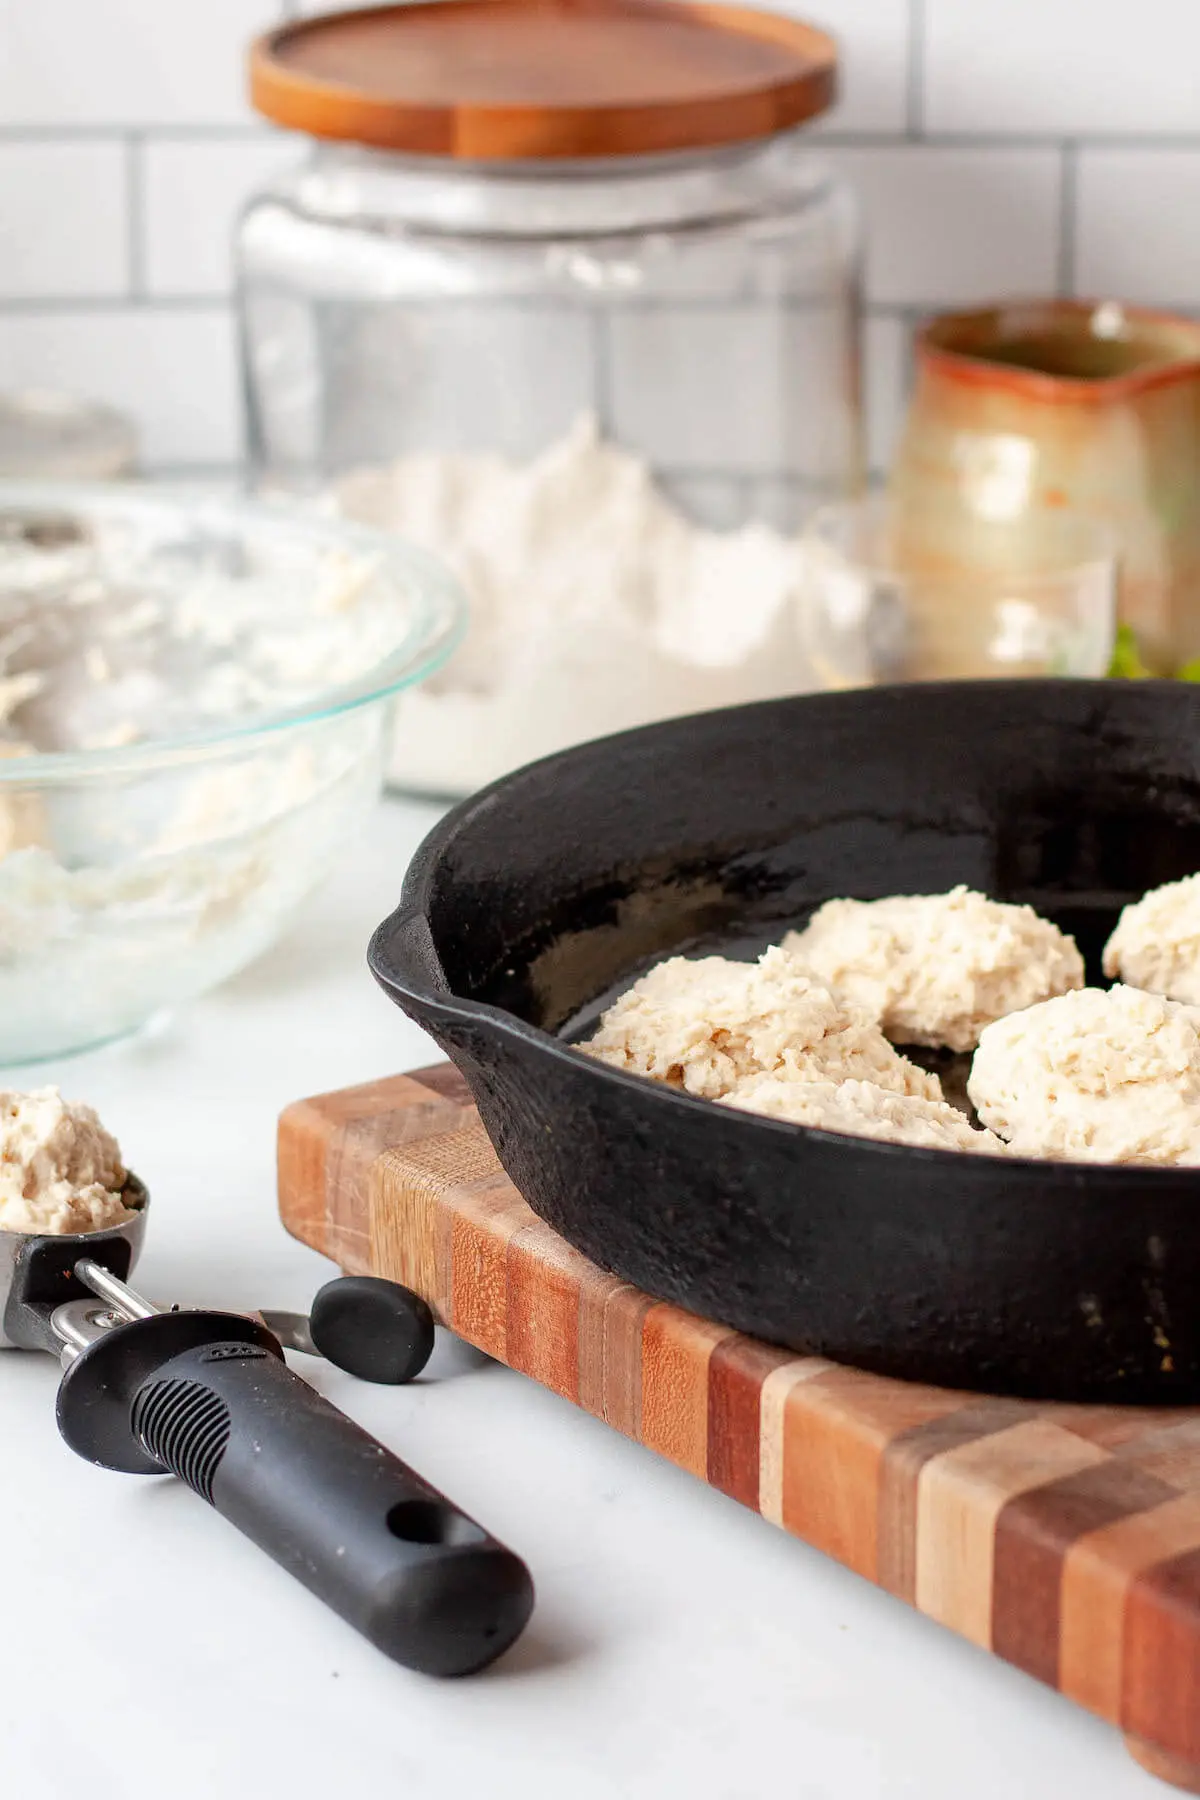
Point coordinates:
[[537, 900]]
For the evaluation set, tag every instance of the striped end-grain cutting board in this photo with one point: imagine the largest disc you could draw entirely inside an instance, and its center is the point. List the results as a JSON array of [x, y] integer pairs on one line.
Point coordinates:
[[1065, 1539]]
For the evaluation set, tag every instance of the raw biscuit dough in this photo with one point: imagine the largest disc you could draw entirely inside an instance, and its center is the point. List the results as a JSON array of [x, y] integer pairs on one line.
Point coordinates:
[[1094, 1076], [1156, 944], [862, 1109], [936, 969], [60, 1170], [705, 1025]]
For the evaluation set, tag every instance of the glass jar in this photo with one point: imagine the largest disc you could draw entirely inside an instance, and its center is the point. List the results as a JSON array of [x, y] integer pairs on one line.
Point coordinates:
[[608, 388], [46, 435]]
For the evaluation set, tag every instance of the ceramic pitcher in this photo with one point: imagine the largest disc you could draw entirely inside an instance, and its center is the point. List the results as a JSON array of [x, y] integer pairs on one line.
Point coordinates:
[[1027, 414]]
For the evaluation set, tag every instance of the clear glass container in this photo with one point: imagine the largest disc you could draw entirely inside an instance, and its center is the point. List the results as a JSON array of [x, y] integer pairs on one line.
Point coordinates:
[[46, 435], [877, 606], [664, 349], [194, 712]]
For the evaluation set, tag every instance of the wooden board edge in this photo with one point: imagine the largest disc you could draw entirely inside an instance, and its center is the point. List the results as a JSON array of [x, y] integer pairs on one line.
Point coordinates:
[[323, 1138], [301, 1150], [1177, 1771]]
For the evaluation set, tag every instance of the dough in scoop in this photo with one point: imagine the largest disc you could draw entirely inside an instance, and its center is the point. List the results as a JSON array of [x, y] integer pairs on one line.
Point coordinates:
[[1156, 944], [1094, 1076], [60, 1170], [936, 969], [862, 1109], [707, 1024]]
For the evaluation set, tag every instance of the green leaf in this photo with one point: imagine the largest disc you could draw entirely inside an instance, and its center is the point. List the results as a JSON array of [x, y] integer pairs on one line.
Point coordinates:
[[1127, 664]]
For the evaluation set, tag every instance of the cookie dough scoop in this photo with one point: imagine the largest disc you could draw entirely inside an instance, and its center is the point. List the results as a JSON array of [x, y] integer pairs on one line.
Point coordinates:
[[207, 1396]]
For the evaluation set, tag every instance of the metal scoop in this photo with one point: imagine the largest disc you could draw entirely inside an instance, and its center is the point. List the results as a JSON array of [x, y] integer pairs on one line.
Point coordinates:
[[206, 1395]]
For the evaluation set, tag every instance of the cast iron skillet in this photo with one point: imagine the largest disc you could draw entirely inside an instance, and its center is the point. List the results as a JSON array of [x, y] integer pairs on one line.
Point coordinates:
[[551, 890]]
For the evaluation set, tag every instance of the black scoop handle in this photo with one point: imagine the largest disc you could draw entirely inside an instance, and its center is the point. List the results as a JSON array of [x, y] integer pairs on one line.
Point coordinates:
[[424, 1583]]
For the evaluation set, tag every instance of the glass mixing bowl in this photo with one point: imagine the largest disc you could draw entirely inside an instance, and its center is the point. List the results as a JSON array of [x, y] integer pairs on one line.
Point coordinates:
[[194, 701]]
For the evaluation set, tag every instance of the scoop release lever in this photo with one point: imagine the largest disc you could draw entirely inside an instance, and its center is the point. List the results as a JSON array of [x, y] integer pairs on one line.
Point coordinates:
[[207, 1396]]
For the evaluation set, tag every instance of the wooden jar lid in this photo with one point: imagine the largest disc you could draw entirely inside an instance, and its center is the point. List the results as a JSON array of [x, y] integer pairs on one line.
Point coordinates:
[[515, 79]]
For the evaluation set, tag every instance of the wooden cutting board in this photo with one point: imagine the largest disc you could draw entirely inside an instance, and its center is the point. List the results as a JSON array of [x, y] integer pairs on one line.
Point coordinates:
[[1065, 1539]]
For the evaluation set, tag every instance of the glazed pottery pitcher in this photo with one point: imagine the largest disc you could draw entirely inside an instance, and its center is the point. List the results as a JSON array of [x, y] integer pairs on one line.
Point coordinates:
[[1028, 414]]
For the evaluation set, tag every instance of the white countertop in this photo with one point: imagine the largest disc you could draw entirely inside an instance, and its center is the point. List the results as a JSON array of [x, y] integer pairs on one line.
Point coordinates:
[[680, 1645]]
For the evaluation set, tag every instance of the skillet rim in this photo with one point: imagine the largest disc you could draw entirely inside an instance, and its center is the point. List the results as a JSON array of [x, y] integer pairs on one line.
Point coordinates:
[[410, 919]]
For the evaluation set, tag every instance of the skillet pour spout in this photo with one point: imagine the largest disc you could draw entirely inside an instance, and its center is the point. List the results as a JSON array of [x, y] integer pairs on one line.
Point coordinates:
[[537, 901]]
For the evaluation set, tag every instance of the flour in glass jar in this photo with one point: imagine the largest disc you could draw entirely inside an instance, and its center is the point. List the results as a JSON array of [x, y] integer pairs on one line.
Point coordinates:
[[596, 604]]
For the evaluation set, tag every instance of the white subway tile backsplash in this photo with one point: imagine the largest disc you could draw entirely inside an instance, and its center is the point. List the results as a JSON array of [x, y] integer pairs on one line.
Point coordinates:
[[873, 76], [1137, 228], [887, 358], [63, 220], [173, 371], [948, 226], [192, 192], [127, 62], [442, 378], [872, 40], [1062, 67], [117, 203], [740, 417]]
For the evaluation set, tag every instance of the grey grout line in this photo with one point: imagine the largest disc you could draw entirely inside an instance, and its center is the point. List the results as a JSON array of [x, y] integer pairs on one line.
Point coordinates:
[[252, 132], [1068, 219], [905, 311], [646, 306], [103, 304], [777, 478], [915, 73], [888, 309], [1089, 140], [602, 370], [187, 471], [1149, 142], [910, 313], [917, 317], [135, 208], [911, 318]]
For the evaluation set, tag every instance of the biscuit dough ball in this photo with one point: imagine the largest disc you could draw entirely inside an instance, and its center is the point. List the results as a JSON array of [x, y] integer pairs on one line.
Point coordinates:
[[863, 1109], [60, 1170], [707, 1024], [1156, 944], [936, 969], [1094, 1076]]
